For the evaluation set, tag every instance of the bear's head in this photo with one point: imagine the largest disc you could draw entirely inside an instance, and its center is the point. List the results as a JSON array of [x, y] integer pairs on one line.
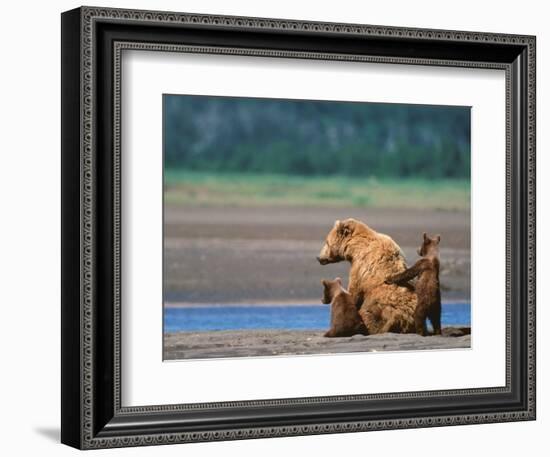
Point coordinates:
[[330, 289], [430, 245], [336, 241]]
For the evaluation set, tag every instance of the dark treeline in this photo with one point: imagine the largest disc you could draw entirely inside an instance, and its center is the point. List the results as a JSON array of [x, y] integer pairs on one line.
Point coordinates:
[[316, 137]]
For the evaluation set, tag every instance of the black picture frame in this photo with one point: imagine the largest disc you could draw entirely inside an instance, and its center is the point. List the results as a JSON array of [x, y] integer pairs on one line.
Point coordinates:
[[92, 415]]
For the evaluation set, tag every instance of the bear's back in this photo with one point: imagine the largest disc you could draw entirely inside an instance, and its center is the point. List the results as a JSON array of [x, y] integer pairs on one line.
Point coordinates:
[[380, 258]]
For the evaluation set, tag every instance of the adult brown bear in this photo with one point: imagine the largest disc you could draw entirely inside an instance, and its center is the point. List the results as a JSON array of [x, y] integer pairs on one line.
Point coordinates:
[[373, 257]]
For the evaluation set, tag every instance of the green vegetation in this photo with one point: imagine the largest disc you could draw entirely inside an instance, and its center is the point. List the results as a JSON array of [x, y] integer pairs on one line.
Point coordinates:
[[248, 151], [316, 138], [245, 189]]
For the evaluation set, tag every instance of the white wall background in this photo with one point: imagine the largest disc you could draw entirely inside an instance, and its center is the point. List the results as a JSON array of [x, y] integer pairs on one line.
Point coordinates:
[[30, 229]]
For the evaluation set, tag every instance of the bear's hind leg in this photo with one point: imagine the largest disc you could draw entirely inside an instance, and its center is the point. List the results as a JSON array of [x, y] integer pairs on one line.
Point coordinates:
[[361, 329], [435, 319], [390, 326], [420, 321], [370, 316]]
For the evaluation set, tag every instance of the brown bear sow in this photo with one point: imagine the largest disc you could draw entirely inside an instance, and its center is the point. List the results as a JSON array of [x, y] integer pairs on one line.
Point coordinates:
[[344, 318], [427, 286], [373, 257]]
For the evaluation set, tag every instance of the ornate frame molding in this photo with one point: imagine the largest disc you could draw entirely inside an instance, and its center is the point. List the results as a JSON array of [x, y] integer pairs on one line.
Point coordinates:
[[92, 435]]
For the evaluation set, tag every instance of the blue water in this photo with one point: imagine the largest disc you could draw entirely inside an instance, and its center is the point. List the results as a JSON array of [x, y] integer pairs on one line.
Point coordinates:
[[296, 317]]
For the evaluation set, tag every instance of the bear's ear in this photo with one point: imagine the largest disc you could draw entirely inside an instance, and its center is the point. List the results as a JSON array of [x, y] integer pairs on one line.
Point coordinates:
[[438, 238], [338, 280], [425, 236], [344, 228], [324, 282]]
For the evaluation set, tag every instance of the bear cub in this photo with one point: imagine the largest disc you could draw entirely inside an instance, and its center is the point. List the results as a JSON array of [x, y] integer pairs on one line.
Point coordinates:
[[427, 286], [344, 318]]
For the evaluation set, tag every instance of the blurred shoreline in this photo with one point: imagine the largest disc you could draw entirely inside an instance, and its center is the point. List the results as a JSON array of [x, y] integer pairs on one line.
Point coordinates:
[[279, 303]]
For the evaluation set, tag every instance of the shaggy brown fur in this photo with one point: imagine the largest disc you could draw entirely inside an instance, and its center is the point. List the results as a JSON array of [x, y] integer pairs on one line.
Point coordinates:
[[373, 257], [427, 286], [344, 318]]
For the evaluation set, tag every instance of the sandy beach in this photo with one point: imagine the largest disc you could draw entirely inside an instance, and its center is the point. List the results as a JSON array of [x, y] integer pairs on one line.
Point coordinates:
[[267, 254], [261, 343]]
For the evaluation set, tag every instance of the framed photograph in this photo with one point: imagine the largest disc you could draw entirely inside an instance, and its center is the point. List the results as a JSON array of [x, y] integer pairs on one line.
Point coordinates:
[[275, 227]]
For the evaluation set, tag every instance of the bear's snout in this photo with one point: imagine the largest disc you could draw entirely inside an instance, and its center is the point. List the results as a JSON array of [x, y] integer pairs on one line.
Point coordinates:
[[322, 260]]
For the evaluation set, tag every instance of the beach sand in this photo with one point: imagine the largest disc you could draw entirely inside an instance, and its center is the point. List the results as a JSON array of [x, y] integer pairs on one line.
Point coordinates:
[[217, 255], [262, 343], [266, 255]]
